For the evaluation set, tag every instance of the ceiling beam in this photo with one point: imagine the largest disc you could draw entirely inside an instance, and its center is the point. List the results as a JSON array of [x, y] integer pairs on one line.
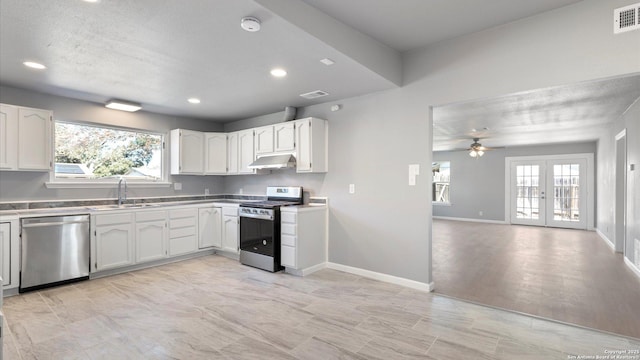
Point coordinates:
[[365, 50]]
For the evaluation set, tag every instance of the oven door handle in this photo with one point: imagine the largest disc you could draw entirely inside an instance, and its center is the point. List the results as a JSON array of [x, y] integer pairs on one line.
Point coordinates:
[[256, 216]]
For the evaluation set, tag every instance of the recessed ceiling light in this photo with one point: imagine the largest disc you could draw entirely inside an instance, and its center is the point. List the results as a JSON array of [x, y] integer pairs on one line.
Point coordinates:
[[91, 1], [278, 72], [34, 65], [327, 61], [123, 105], [194, 100]]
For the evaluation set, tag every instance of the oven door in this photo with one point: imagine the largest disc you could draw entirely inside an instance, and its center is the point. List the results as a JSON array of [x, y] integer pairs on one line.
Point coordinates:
[[257, 236]]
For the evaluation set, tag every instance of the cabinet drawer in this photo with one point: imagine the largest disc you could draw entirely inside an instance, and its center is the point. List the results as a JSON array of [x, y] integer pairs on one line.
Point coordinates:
[[288, 217], [150, 215], [113, 219], [288, 256], [288, 240], [288, 229], [180, 223], [231, 211], [183, 213], [182, 232], [182, 245]]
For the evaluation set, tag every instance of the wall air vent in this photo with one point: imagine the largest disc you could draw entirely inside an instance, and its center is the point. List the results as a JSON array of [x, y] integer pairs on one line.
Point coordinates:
[[314, 94], [626, 18]]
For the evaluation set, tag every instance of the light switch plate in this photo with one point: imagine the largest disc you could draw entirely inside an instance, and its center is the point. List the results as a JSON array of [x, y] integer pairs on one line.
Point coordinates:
[[352, 188]]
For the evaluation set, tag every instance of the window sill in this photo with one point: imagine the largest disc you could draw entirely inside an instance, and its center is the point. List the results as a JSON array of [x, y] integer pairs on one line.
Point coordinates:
[[440, 203], [102, 185]]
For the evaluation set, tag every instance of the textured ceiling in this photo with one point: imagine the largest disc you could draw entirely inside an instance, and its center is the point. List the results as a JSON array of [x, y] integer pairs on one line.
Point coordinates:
[[410, 24], [573, 113], [161, 52]]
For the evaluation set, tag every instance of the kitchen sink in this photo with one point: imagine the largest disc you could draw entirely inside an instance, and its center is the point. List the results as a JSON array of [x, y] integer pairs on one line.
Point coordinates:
[[123, 206]]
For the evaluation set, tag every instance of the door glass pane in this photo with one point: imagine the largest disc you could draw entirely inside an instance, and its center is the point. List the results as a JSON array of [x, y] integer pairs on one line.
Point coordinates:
[[527, 197], [566, 191]]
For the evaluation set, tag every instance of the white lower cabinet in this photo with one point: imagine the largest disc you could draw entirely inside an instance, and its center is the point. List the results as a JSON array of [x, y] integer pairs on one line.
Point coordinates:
[[303, 237], [183, 231], [230, 230], [112, 241], [151, 236], [209, 227], [10, 253]]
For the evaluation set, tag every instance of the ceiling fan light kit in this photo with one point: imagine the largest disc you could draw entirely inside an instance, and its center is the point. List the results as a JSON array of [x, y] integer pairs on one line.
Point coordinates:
[[476, 149]]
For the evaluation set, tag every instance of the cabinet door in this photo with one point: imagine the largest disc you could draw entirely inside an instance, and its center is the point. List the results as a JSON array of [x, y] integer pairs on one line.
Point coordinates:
[[8, 137], [114, 246], [246, 153], [303, 145], [232, 153], [34, 139], [191, 152], [151, 238], [230, 234], [264, 140], [216, 154], [5, 253], [284, 135], [209, 227]]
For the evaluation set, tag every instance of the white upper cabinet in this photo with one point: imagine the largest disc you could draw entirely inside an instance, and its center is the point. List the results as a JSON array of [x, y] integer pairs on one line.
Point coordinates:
[[264, 140], [187, 152], [232, 153], [216, 153], [284, 137], [311, 145], [25, 138], [246, 153], [8, 137]]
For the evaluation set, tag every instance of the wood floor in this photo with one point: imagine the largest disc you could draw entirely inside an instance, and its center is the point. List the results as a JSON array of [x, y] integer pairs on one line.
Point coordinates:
[[566, 275], [215, 308]]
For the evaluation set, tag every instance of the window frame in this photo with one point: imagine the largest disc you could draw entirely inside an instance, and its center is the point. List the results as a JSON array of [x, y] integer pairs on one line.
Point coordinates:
[[435, 202], [56, 183]]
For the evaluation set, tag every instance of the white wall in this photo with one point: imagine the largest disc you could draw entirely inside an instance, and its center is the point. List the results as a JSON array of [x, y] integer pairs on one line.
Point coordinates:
[[606, 179], [30, 185], [477, 184]]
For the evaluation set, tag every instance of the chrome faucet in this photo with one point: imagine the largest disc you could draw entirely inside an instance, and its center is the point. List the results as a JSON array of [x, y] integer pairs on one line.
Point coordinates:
[[120, 198]]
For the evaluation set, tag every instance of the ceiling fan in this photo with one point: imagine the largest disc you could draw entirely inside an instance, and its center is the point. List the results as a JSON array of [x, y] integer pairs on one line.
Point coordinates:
[[476, 149]]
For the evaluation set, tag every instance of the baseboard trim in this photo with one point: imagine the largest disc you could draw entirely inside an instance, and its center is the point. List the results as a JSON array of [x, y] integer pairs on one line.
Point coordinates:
[[470, 220], [382, 277], [606, 239], [632, 266], [306, 271]]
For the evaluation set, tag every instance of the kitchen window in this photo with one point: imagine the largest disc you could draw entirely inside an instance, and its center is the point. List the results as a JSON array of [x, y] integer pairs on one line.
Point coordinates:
[[441, 180], [94, 154]]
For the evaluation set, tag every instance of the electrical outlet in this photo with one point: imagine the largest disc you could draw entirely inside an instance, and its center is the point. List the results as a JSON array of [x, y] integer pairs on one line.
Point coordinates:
[[352, 188], [480, 213], [206, 191], [177, 186]]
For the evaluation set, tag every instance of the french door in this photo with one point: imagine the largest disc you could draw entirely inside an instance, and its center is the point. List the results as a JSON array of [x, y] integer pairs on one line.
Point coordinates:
[[549, 193]]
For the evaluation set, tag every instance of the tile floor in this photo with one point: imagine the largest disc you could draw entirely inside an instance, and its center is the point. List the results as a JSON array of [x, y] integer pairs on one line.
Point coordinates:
[[214, 308], [562, 274]]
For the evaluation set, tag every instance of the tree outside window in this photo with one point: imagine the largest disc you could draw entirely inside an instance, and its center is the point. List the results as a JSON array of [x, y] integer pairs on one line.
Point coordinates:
[[92, 152]]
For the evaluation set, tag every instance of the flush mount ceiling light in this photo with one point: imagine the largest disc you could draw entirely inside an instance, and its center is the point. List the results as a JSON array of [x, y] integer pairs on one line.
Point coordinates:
[[278, 72], [250, 24], [34, 65], [123, 105], [194, 100]]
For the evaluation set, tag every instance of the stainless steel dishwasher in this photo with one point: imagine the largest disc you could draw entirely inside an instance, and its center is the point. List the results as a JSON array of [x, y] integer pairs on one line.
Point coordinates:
[[55, 250]]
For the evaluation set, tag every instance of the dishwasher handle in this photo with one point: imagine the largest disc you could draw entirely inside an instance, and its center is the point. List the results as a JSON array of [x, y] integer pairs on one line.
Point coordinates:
[[54, 220]]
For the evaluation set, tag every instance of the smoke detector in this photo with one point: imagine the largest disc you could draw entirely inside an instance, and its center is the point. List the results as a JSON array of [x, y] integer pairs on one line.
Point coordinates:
[[250, 24]]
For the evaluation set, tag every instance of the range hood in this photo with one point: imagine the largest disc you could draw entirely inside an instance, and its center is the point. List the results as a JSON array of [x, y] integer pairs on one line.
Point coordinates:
[[274, 162]]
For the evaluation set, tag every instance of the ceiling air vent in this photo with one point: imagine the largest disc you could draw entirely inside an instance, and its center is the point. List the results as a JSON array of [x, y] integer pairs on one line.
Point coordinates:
[[626, 18], [314, 94]]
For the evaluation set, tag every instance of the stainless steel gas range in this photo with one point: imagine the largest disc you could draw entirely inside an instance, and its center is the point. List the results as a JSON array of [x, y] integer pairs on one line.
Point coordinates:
[[260, 227]]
